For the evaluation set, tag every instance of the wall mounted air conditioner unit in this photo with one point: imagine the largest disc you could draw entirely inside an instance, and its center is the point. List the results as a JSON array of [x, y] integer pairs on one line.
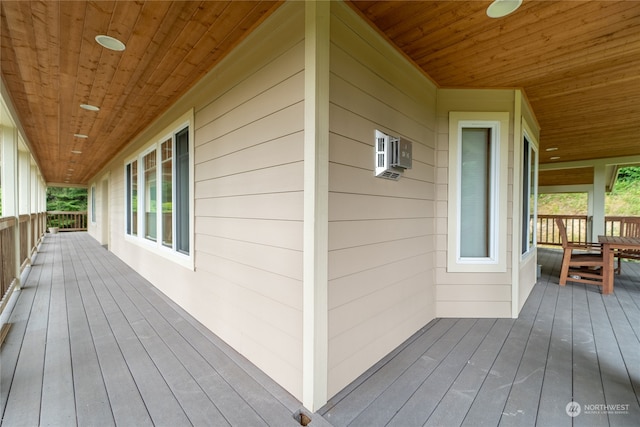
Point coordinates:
[[393, 156]]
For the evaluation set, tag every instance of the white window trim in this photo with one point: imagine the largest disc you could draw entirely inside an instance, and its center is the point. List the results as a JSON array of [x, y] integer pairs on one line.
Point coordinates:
[[187, 261], [534, 147], [497, 261]]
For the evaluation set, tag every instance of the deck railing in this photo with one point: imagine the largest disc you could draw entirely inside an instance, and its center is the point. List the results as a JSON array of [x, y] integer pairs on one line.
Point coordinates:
[[19, 240], [7, 254], [67, 221], [578, 228]]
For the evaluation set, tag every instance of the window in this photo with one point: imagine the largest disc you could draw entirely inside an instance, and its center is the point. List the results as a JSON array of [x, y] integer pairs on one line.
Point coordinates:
[[478, 148], [529, 194], [476, 192], [150, 195], [182, 191], [131, 171], [166, 150], [163, 182]]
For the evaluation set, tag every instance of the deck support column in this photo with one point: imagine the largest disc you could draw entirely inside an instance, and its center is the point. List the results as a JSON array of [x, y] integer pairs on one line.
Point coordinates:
[[598, 202], [316, 205], [10, 183]]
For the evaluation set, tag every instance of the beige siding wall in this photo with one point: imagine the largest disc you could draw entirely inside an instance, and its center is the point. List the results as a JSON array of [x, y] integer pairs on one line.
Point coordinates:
[[470, 294], [381, 237], [248, 187]]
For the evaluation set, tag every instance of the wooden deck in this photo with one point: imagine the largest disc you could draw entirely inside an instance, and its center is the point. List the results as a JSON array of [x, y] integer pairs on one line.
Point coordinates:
[[93, 343], [569, 344]]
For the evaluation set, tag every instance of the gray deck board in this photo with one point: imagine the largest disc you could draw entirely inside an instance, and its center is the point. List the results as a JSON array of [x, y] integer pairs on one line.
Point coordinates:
[[569, 344], [521, 408], [454, 406], [13, 342], [385, 407], [381, 377], [93, 343], [25, 397], [179, 334], [495, 389], [557, 374], [58, 405], [419, 407], [587, 381]]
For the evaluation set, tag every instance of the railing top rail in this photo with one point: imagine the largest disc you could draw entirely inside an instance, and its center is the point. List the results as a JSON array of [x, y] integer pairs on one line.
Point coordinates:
[[66, 212], [563, 216], [7, 221]]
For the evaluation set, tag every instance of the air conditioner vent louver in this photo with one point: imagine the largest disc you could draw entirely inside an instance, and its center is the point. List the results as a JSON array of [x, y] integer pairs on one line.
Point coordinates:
[[393, 156]]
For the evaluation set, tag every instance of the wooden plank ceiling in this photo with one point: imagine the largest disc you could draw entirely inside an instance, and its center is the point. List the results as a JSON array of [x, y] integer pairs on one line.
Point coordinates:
[[51, 64], [578, 62]]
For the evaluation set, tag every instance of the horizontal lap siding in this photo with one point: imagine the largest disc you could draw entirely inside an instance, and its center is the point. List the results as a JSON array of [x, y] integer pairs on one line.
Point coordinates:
[[381, 232], [248, 200], [248, 208], [470, 294]]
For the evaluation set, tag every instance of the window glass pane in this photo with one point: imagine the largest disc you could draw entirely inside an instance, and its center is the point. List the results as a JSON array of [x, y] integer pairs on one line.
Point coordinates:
[[526, 199], [182, 191], [166, 149], [127, 189], [150, 196], [132, 198], [475, 192], [529, 195], [533, 195]]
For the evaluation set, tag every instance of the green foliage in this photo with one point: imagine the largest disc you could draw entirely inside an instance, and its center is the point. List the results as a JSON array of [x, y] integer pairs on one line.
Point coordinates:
[[624, 200], [628, 175], [67, 199]]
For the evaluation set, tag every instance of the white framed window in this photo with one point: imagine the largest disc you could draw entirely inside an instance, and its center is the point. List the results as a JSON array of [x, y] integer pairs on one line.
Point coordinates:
[[158, 194], [477, 191], [529, 191]]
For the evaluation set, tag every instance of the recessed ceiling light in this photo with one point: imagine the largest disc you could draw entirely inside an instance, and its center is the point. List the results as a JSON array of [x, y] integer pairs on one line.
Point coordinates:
[[110, 43], [500, 8], [80, 135], [552, 149], [89, 107], [76, 152], [555, 158]]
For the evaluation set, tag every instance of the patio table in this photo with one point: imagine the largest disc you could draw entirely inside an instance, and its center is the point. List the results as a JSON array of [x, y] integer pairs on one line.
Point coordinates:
[[609, 245]]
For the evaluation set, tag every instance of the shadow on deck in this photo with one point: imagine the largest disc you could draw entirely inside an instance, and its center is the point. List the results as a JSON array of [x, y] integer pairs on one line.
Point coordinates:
[[93, 343]]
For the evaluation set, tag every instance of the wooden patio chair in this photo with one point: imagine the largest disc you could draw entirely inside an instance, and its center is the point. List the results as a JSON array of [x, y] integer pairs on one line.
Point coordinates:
[[581, 262], [629, 227]]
